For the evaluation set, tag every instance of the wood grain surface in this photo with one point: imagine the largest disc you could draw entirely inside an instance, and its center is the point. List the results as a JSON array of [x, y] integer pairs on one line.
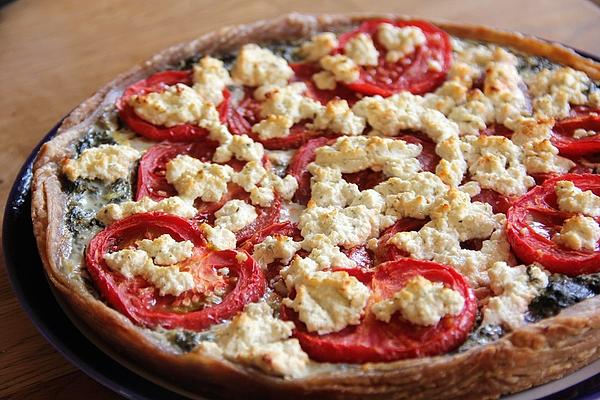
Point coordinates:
[[54, 54]]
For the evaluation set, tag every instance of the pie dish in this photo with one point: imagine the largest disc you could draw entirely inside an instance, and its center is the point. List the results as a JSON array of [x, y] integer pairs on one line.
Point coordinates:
[[394, 208]]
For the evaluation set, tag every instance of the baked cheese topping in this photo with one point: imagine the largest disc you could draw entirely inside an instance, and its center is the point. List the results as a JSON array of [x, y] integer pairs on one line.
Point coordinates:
[[105, 162], [579, 233], [421, 302], [156, 261], [171, 205], [487, 91], [256, 338], [572, 199]]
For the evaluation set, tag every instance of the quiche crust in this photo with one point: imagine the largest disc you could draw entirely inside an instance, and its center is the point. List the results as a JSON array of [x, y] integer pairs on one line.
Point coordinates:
[[529, 356]]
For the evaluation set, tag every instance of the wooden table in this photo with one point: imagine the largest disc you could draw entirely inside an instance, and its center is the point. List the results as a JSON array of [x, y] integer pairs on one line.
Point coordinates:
[[53, 54]]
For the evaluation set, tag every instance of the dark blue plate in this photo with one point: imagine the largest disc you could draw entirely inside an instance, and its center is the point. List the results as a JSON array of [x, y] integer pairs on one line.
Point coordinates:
[[26, 274]]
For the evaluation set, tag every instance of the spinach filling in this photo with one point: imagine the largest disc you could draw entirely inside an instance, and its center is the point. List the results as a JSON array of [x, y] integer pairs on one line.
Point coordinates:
[[562, 291]]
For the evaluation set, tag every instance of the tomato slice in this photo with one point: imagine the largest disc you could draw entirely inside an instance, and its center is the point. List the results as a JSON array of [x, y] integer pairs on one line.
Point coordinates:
[[304, 73], [362, 256], [568, 145], [142, 303], [499, 202], [534, 218], [377, 341], [366, 179], [156, 83], [412, 73]]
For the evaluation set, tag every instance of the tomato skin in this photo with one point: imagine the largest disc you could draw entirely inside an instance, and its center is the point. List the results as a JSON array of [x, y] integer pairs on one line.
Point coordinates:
[[156, 83], [123, 294], [499, 202], [567, 145], [377, 341], [531, 246], [297, 168], [414, 77], [304, 73], [389, 252]]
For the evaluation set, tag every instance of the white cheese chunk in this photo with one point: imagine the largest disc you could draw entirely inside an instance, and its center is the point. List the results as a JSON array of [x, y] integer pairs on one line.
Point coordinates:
[[287, 101], [210, 79], [572, 199], [579, 233], [318, 46], [218, 237], [361, 50], [258, 339], [328, 301], [324, 80], [105, 162], [169, 280], [234, 215], [337, 117], [513, 288], [555, 90], [165, 250], [274, 126], [421, 302], [178, 104], [171, 205], [326, 255], [343, 68], [241, 147], [399, 41], [582, 133], [273, 248], [193, 178], [255, 66]]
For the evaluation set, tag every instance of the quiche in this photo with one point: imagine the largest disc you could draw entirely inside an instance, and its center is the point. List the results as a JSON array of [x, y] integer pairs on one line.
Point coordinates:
[[334, 206]]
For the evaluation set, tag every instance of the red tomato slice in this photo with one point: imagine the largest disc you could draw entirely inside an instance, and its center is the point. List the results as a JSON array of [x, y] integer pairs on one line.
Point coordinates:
[[156, 83], [361, 256], [377, 341], [142, 303], [366, 179], [568, 145], [534, 218], [387, 251], [304, 73], [412, 73]]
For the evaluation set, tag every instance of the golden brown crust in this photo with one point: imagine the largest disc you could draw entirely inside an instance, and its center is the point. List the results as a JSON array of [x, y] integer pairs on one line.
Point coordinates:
[[529, 356]]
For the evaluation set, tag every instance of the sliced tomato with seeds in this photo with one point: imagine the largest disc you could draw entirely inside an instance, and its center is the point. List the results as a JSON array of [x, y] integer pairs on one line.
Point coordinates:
[[412, 73], [193, 309], [158, 82], [534, 219], [570, 146], [378, 341]]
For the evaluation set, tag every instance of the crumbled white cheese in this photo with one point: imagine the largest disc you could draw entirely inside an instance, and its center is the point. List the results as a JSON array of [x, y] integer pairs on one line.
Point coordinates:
[[572, 199], [193, 178], [399, 41], [287, 101], [582, 133], [255, 66], [504, 87], [328, 188], [421, 302], [105, 162], [178, 104], [328, 301], [554, 90], [171, 205], [495, 162], [241, 147], [274, 126], [165, 250], [579, 233], [337, 117], [273, 248], [513, 288], [132, 262], [234, 215], [262, 185], [326, 255], [210, 79], [324, 80], [361, 50], [541, 156], [218, 237], [343, 68], [256, 338], [318, 46]]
